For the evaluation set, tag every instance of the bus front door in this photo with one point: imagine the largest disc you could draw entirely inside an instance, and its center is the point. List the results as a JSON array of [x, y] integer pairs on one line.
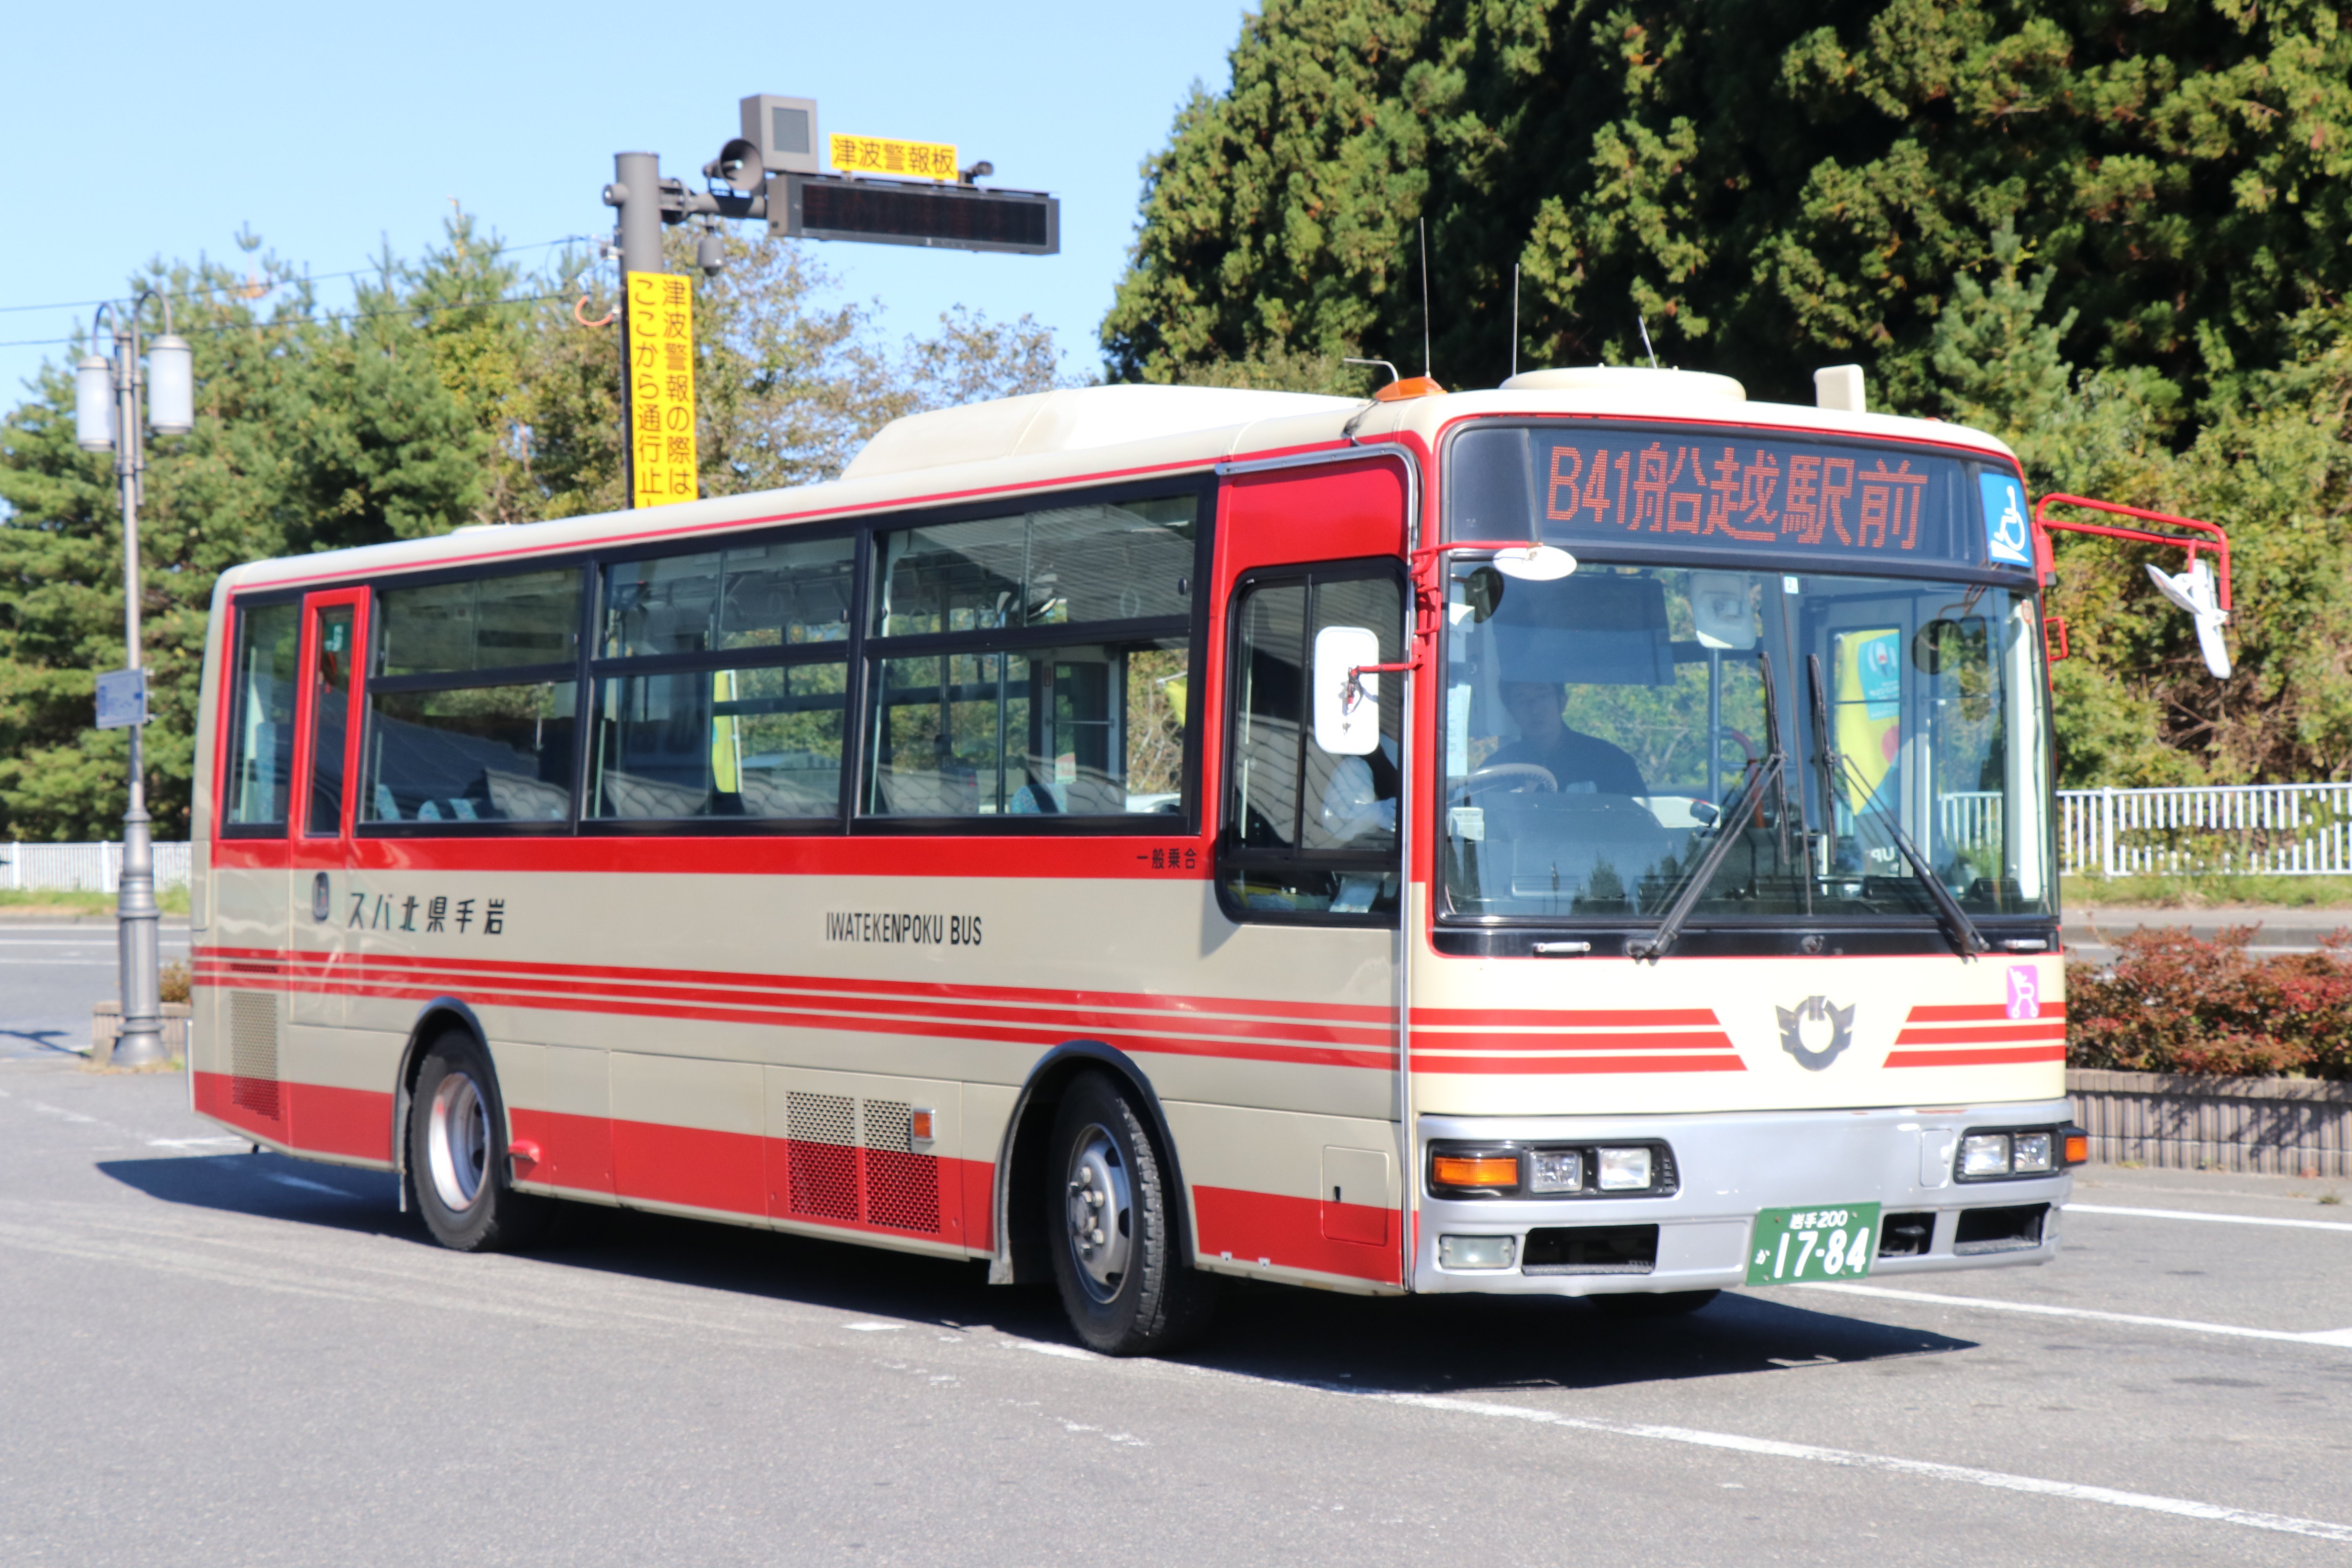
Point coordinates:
[[326, 905]]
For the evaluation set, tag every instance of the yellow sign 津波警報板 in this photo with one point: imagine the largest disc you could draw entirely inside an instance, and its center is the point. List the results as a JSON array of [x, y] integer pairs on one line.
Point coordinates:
[[661, 389], [899, 160]]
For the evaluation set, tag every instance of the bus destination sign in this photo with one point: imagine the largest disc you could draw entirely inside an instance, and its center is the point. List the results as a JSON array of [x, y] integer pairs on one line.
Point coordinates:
[[1715, 490]]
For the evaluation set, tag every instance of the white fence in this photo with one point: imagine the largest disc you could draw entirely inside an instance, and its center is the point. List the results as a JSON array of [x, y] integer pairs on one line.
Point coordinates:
[[82, 868], [2271, 830]]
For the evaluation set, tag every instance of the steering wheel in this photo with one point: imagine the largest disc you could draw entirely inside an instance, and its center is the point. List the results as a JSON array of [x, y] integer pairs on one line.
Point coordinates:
[[1510, 775]]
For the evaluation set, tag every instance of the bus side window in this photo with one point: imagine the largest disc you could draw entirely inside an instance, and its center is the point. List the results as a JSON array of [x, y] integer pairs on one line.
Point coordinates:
[[1306, 835], [261, 731], [472, 698]]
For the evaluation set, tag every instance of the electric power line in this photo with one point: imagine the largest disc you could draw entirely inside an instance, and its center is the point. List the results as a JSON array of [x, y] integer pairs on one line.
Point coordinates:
[[343, 316], [306, 278]]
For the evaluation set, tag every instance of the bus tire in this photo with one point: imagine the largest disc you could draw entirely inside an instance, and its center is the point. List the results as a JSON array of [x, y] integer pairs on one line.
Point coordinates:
[[456, 1154], [1111, 1228], [1655, 1303]]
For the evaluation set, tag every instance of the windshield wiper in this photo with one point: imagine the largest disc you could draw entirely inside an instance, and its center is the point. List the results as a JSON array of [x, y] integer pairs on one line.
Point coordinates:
[[1702, 876], [1965, 938]]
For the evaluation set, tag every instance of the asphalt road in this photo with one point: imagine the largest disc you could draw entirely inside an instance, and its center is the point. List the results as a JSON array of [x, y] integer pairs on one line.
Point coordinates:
[[2090, 931], [50, 973], [217, 1357]]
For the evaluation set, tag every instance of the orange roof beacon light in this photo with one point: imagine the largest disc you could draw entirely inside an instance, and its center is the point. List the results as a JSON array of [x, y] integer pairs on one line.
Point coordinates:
[[2197, 590]]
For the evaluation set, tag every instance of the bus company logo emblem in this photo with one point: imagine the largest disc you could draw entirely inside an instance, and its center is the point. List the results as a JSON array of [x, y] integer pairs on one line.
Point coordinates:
[[1814, 1032], [321, 904]]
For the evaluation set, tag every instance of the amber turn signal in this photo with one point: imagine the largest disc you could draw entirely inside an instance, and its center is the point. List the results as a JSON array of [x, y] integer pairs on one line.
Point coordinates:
[[1476, 1170], [2078, 1146]]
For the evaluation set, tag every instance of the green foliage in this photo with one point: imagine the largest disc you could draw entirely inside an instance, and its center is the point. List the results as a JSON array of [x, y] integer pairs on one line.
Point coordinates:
[[458, 390], [2117, 236], [1771, 186]]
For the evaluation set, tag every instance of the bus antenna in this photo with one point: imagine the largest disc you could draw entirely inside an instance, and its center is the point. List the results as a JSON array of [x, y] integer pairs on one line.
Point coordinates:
[[1515, 318], [1646, 339], [1424, 224]]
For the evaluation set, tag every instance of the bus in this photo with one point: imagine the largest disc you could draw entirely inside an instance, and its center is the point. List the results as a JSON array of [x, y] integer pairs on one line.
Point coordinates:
[[1591, 838]]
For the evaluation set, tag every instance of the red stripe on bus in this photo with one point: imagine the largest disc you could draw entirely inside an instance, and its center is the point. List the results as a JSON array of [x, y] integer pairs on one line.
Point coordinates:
[[1522, 1019], [2056, 1052], [575, 1151], [1287, 1233], [1083, 858], [1535, 1065], [354, 977], [1706, 1039], [1975, 1013], [1984, 1034], [1141, 1001], [1383, 1060], [319, 1118]]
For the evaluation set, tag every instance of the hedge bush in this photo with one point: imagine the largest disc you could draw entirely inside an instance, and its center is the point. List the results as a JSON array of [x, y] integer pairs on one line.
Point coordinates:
[[2176, 1002]]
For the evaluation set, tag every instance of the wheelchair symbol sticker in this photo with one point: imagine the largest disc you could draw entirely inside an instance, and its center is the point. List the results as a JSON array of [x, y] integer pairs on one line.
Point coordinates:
[[2004, 514]]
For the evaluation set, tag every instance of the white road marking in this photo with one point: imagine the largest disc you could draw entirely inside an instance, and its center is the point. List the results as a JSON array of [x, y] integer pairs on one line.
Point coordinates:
[[2214, 1218], [874, 1328], [283, 1180], [1067, 1353], [2322, 1336], [192, 1142], [60, 1110], [2318, 1529]]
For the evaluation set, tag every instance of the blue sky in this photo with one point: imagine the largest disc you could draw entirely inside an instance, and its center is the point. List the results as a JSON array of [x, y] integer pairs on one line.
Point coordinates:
[[152, 131]]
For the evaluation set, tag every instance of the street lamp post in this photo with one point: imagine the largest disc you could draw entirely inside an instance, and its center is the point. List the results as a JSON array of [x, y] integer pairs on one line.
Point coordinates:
[[107, 396]]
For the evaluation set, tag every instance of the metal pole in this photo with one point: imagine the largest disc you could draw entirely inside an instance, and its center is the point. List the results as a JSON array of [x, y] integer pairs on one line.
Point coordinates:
[[637, 192], [140, 1044]]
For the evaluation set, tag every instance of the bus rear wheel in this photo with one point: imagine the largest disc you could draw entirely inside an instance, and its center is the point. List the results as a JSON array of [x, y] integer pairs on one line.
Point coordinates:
[[456, 1154], [1112, 1221]]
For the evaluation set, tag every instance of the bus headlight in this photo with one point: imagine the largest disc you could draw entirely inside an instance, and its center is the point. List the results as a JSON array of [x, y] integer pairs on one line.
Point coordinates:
[[1557, 1171], [1984, 1154], [1624, 1170], [2030, 1153]]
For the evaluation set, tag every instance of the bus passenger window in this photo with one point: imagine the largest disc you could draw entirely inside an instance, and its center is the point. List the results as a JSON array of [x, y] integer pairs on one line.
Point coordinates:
[[1307, 834], [756, 742], [986, 717], [1092, 731], [745, 716], [261, 736], [473, 704]]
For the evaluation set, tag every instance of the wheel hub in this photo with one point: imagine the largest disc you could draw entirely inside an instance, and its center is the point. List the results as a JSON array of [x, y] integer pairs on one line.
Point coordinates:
[[1101, 1217], [457, 1141]]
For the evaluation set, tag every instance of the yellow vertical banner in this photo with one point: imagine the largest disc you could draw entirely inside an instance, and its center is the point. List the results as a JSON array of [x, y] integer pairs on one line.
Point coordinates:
[[661, 388]]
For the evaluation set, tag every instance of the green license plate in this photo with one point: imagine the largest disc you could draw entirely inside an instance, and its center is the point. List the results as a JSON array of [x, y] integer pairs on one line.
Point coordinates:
[[1828, 1243]]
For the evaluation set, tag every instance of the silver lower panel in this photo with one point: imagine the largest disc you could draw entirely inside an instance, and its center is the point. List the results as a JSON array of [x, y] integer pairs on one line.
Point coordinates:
[[1732, 1167]]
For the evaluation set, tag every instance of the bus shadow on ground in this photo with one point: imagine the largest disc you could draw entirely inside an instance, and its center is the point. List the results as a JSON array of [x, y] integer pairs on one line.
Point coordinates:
[[1449, 1345]]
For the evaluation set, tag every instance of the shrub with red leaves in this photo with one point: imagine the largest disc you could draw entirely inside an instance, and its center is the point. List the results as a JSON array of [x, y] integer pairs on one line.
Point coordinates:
[[2177, 1003]]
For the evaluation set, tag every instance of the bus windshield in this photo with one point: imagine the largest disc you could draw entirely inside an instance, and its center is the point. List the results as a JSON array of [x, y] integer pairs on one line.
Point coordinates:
[[1603, 730]]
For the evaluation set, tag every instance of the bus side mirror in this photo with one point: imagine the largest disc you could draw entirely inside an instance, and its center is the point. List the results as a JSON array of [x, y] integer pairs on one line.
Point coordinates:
[[1346, 697]]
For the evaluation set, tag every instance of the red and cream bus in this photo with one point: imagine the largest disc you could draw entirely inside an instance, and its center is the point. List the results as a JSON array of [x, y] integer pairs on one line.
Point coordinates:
[[1592, 837]]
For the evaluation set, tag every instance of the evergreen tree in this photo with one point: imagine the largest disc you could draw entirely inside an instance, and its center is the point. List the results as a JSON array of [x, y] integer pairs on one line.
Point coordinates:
[[457, 390], [1770, 186]]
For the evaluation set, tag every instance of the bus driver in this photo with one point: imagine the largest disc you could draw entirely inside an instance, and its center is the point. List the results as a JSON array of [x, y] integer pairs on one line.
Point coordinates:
[[1579, 764]]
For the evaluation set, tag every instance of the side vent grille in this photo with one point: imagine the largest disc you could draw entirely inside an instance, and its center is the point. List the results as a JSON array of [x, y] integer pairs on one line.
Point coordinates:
[[902, 1187], [253, 1052], [823, 1154]]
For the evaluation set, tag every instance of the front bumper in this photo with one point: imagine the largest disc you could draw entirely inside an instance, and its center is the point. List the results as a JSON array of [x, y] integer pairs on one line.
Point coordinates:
[[1731, 1167]]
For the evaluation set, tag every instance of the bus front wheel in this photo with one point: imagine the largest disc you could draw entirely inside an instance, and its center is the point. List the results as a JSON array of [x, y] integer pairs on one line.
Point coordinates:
[[456, 1154], [1111, 1216]]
